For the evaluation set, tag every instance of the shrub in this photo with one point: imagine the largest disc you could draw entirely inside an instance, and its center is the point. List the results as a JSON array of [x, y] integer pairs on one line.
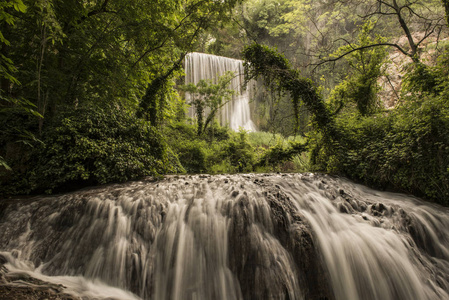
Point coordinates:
[[96, 146], [406, 149], [239, 152], [283, 156], [192, 155]]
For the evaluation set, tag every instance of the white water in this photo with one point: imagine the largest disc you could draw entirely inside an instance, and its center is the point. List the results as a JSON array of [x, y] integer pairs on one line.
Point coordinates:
[[231, 237], [75, 285], [236, 113], [371, 257]]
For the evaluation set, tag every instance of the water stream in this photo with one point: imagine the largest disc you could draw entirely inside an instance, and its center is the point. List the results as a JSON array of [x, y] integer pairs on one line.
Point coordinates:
[[273, 236]]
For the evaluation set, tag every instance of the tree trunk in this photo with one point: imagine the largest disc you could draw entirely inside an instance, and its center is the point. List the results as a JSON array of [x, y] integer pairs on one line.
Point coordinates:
[[41, 101], [411, 42], [446, 8]]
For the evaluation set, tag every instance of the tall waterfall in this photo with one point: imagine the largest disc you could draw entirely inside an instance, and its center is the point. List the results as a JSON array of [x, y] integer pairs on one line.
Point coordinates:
[[282, 236], [236, 113]]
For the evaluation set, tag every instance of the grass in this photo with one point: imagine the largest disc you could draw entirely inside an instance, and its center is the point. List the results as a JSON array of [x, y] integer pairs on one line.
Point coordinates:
[[267, 139]]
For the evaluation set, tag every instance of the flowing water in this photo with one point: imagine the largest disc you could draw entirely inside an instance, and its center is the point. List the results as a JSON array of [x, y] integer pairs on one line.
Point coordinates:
[[273, 236], [236, 113]]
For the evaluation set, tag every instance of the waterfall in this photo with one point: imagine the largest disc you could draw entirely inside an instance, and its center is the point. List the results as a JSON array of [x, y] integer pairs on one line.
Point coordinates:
[[236, 113], [255, 236]]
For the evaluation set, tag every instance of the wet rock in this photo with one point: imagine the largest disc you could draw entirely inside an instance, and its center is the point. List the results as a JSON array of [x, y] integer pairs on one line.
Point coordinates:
[[22, 286], [295, 236]]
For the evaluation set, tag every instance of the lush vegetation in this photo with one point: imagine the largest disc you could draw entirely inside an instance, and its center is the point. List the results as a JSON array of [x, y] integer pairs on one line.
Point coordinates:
[[87, 87], [91, 146], [221, 150], [406, 148], [90, 91]]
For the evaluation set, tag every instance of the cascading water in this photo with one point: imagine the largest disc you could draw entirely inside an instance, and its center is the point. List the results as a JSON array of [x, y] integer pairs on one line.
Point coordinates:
[[236, 113], [283, 236]]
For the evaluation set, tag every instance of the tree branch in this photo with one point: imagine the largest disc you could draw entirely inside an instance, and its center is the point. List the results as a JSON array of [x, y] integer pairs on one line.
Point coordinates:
[[362, 48]]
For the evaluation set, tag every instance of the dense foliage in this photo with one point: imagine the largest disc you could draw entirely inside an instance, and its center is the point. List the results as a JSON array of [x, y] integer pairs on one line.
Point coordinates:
[[404, 149], [108, 65], [274, 68], [205, 95], [93, 147], [90, 91]]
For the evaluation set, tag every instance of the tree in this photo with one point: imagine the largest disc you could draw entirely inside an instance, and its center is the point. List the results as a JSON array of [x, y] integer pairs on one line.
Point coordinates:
[[446, 8], [207, 98], [71, 55], [360, 86], [8, 78], [416, 20], [195, 17], [7, 19], [274, 68], [77, 53]]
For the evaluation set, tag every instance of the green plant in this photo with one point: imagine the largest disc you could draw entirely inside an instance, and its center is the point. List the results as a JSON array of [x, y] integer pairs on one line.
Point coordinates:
[[239, 153], [98, 146], [279, 76], [405, 149], [360, 87], [281, 153], [207, 98]]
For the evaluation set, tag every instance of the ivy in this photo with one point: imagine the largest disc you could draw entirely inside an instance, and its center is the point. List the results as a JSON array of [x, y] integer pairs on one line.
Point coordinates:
[[278, 75]]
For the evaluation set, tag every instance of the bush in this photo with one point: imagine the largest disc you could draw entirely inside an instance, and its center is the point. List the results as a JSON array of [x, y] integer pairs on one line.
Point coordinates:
[[95, 147], [239, 152], [406, 149], [283, 157], [217, 150], [192, 155]]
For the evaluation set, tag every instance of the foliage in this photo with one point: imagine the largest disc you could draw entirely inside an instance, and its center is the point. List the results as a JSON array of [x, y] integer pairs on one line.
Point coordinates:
[[421, 78], [85, 53], [279, 153], [239, 153], [217, 150], [406, 149], [7, 18], [7, 67], [360, 86], [207, 98], [105, 55], [222, 150], [446, 8], [191, 151], [277, 73], [264, 139], [95, 147]]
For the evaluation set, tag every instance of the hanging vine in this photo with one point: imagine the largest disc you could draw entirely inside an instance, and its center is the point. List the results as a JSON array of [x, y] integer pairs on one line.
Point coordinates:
[[278, 75]]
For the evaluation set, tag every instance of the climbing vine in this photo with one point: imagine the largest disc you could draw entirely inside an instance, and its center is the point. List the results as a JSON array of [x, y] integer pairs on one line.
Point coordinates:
[[278, 75]]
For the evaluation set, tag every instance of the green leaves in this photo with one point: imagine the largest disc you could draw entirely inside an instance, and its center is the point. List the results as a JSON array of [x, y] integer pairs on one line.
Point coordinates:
[[96, 147], [274, 68], [4, 164], [7, 67], [405, 149], [366, 64], [205, 95]]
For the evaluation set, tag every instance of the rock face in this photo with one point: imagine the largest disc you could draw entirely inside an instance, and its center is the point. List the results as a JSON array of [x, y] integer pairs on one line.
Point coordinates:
[[24, 287], [280, 236], [397, 64]]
